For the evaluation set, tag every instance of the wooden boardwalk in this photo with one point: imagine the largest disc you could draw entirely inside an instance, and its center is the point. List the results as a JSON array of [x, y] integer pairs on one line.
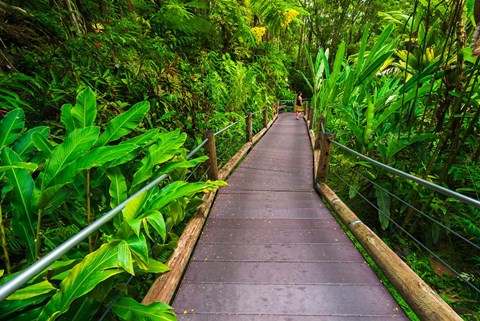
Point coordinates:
[[271, 251]]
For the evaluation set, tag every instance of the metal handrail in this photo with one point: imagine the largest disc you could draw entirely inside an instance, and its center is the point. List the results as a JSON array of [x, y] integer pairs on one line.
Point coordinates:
[[24, 276], [445, 191]]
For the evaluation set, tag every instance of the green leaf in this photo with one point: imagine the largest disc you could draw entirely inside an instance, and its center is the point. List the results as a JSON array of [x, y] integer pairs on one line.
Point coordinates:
[[30, 315], [179, 189], [146, 138], [383, 202], [20, 165], [10, 127], [138, 246], [44, 197], [134, 207], [118, 186], [99, 156], [9, 309], [93, 158], [171, 166], [95, 268], [66, 118], [85, 110], [128, 309], [124, 257], [76, 143], [32, 291], [83, 309], [123, 123], [167, 146], [42, 144], [156, 220], [23, 219], [156, 267], [24, 146]]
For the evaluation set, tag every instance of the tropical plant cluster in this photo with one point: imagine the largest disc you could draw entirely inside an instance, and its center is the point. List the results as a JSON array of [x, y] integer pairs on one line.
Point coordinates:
[[396, 81], [408, 97]]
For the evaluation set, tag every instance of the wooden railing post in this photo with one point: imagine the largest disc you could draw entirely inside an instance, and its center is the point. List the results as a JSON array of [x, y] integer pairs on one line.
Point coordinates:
[[265, 117], [212, 156], [306, 113], [310, 116], [249, 127], [324, 158], [319, 134]]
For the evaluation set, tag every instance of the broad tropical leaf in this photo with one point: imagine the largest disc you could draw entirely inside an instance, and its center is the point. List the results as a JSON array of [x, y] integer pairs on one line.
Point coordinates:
[[95, 268], [156, 267], [20, 165], [83, 309], [181, 189], [41, 142], [124, 258], [118, 186], [24, 223], [138, 247], [11, 126], [85, 110], [128, 309], [123, 123], [134, 207], [76, 143], [383, 202], [93, 158], [32, 291], [66, 118], [168, 145], [24, 146]]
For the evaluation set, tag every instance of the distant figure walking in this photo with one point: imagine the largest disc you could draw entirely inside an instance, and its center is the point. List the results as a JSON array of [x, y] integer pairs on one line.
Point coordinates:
[[298, 104]]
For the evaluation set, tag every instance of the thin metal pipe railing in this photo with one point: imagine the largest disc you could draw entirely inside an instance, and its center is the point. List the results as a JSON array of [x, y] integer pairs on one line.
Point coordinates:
[[37, 267], [445, 191], [224, 129]]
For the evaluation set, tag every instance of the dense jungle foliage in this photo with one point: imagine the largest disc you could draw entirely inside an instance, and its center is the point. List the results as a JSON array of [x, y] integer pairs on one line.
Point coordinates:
[[97, 97]]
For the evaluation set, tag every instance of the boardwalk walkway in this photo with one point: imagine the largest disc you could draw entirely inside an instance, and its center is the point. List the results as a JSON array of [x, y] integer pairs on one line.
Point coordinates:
[[271, 251]]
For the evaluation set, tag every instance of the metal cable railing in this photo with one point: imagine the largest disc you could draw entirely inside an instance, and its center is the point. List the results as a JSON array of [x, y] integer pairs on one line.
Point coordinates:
[[37, 267], [408, 234], [449, 193], [460, 197], [418, 211]]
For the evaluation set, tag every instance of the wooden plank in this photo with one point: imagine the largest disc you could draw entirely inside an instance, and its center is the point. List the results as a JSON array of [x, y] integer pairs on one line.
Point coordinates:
[[271, 248]]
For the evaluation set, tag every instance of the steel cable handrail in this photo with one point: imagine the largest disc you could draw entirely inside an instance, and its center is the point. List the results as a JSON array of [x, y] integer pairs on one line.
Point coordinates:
[[445, 191], [38, 266], [409, 235], [418, 211]]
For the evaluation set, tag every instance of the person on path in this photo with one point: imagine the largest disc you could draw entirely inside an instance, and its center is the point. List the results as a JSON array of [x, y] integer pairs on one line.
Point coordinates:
[[298, 104]]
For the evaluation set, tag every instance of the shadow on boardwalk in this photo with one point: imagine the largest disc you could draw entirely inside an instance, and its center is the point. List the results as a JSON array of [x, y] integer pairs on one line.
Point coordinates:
[[270, 249]]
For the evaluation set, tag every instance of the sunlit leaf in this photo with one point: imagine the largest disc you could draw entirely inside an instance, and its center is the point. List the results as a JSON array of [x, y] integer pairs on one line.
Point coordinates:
[[85, 110], [32, 291], [23, 222], [123, 123], [95, 268], [128, 309], [10, 127], [76, 143]]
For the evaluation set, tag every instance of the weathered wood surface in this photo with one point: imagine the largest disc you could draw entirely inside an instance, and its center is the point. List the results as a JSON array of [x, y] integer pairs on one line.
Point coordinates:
[[270, 249]]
